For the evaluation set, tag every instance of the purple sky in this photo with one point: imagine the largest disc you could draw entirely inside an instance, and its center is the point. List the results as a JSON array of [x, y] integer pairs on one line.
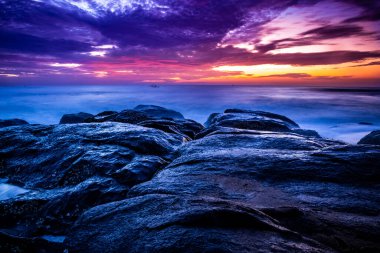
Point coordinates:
[[189, 41]]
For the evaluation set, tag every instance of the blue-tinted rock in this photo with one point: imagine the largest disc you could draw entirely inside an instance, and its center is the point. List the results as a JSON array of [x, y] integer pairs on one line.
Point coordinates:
[[61, 155], [75, 118], [158, 112], [254, 120], [12, 122], [372, 138], [251, 181], [153, 117], [241, 190]]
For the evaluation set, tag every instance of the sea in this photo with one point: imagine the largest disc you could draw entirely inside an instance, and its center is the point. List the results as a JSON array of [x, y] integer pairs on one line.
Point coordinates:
[[345, 114]]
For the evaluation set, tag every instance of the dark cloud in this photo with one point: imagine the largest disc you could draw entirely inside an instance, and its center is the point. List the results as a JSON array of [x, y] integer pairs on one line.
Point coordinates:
[[315, 36], [25, 43], [375, 63], [335, 31], [371, 10], [233, 56]]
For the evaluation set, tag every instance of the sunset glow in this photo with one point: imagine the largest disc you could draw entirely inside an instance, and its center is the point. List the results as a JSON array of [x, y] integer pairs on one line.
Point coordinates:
[[247, 42]]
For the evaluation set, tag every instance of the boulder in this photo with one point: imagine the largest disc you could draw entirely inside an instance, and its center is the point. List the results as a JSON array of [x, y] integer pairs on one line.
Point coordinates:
[[153, 117], [12, 122], [65, 170], [239, 188], [372, 138], [62, 155], [254, 120], [52, 212], [75, 118], [158, 112]]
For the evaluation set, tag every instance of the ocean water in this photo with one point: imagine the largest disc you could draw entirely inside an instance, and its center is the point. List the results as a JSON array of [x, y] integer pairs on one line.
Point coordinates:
[[337, 113]]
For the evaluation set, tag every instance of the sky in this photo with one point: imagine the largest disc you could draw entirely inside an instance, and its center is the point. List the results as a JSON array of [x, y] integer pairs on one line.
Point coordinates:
[[288, 42]]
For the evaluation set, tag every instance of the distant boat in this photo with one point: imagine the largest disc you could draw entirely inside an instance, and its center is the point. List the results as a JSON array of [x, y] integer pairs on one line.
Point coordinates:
[[155, 86]]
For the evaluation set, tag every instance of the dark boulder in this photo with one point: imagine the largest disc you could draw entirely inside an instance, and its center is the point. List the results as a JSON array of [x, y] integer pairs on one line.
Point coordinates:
[[158, 112], [153, 117], [372, 138], [52, 212], [75, 118], [12, 122], [125, 116], [255, 120], [62, 155], [69, 169]]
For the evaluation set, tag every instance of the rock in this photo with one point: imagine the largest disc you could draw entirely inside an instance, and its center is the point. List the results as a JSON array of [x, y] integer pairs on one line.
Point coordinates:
[[187, 128], [53, 211], [171, 223], [237, 189], [12, 122], [153, 117], [250, 182], [372, 138], [68, 169], [15, 244], [75, 118], [158, 112], [101, 117], [125, 116], [210, 118], [62, 155], [255, 120], [307, 132]]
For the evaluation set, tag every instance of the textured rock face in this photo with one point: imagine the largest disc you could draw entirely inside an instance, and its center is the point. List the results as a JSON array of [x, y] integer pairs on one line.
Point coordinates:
[[153, 117], [263, 185], [68, 169], [62, 155], [255, 120], [75, 118], [228, 192], [12, 122], [372, 138]]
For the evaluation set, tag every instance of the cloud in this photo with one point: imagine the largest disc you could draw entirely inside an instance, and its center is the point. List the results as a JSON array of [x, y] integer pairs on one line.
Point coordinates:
[[375, 63], [289, 75], [24, 43], [233, 56], [335, 31], [161, 38], [65, 65]]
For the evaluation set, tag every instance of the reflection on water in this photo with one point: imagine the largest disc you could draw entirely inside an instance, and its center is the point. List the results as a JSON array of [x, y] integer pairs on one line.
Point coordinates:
[[345, 114], [8, 191]]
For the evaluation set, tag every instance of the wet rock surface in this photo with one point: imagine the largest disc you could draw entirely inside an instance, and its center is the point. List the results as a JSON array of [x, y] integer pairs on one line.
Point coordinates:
[[62, 155], [153, 117], [255, 120], [146, 182], [372, 138]]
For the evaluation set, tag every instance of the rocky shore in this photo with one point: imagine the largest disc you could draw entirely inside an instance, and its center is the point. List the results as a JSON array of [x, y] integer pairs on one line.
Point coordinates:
[[149, 180]]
